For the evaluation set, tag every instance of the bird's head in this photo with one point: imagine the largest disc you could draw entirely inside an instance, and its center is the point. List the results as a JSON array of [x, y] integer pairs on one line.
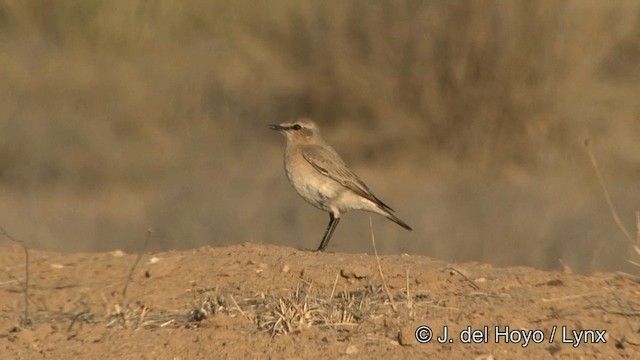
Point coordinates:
[[299, 130]]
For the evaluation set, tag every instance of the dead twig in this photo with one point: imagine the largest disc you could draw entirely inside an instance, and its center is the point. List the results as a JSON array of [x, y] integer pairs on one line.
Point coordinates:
[[637, 248], [77, 317], [623, 304], [135, 264], [607, 197], [473, 284], [375, 252], [570, 297], [26, 321], [239, 309], [409, 302], [333, 290], [634, 278]]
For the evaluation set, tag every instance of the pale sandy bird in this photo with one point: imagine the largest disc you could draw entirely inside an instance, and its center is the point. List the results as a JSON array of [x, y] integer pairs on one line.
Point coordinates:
[[322, 178]]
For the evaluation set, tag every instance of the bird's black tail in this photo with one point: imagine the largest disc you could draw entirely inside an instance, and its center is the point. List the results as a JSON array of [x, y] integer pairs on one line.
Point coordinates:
[[389, 215]]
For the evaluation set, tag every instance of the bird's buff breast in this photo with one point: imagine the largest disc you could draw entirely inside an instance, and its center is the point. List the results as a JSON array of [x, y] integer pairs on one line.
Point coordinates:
[[315, 188]]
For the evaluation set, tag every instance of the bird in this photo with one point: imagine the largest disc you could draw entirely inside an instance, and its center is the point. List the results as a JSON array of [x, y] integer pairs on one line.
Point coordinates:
[[323, 179]]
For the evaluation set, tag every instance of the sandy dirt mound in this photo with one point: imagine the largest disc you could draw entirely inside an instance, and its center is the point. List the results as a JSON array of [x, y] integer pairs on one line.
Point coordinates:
[[255, 301]]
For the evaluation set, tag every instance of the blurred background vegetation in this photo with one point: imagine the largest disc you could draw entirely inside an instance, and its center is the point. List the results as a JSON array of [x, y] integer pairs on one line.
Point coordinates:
[[468, 117]]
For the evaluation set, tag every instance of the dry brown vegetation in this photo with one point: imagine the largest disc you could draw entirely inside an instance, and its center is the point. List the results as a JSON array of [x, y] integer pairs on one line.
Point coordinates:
[[467, 117]]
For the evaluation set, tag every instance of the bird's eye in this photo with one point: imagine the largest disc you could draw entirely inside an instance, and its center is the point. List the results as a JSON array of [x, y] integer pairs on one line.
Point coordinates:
[[297, 127]]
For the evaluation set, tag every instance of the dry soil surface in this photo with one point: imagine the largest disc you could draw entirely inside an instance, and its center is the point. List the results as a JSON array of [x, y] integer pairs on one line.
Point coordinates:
[[258, 301]]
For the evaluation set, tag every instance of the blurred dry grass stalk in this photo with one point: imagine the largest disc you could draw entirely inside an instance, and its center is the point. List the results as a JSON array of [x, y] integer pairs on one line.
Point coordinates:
[[119, 115]]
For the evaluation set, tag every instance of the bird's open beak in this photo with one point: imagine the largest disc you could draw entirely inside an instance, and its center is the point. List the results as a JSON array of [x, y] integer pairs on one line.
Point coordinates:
[[275, 127]]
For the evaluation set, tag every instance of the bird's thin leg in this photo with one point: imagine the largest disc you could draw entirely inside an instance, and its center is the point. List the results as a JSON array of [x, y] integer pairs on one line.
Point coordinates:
[[333, 223], [325, 238]]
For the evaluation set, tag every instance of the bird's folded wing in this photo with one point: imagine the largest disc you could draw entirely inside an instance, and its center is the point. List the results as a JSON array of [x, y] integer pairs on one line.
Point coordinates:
[[329, 163]]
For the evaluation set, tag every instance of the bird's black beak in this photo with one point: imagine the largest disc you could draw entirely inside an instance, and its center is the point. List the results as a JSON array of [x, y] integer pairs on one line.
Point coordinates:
[[275, 127]]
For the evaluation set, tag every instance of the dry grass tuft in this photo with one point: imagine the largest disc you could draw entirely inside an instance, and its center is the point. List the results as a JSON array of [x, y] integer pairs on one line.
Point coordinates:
[[306, 307], [302, 308], [210, 302]]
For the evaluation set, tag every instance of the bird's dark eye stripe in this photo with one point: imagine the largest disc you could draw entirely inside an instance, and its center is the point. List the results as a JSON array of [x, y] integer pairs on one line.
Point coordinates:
[[296, 127]]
